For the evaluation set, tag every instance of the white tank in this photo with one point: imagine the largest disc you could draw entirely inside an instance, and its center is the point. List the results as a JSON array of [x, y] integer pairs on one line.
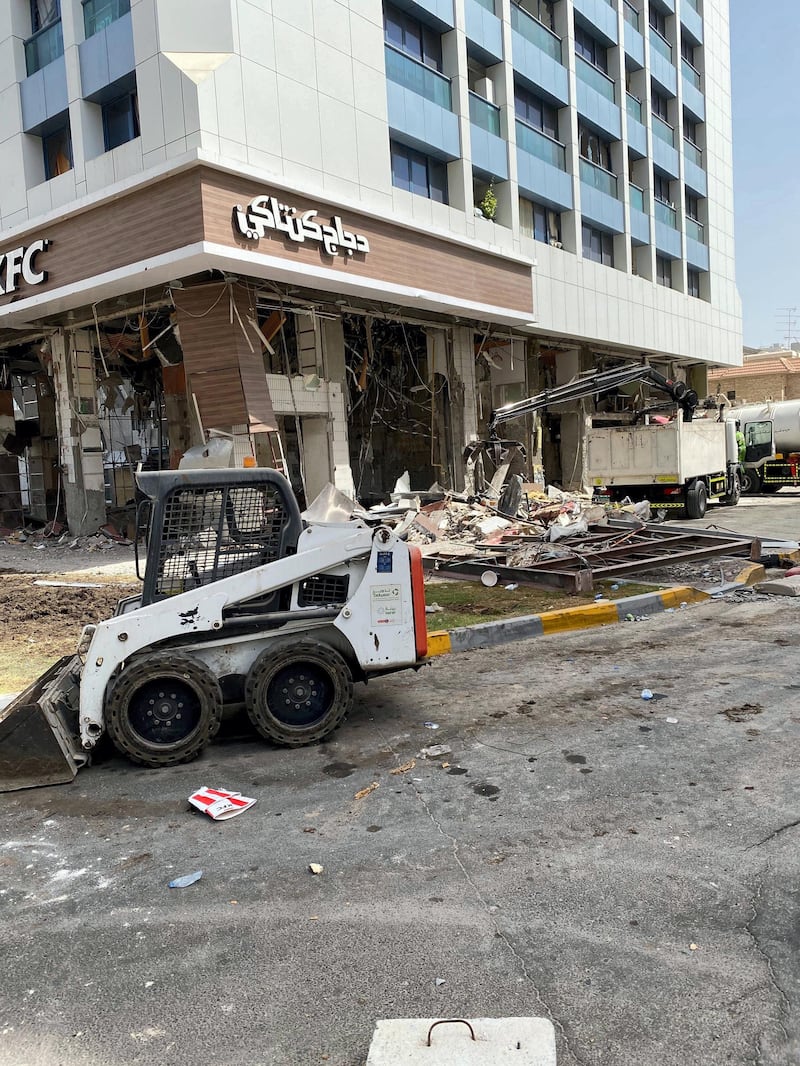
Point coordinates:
[[731, 447], [785, 415]]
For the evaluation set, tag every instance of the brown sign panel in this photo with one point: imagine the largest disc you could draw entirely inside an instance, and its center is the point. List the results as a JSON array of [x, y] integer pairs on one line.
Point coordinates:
[[200, 204]]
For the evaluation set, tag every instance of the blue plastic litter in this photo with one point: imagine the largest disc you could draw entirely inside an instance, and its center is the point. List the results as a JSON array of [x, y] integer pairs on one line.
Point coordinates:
[[647, 694], [186, 880]]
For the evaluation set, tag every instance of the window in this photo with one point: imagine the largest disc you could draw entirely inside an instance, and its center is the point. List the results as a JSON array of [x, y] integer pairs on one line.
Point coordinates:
[[664, 271], [590, 50], [693, 282], [409, 35], [543, 10], [660, 105], [535, 112], [418, 173], [687, 50], [690, 129], [692, 207], [594, 148], [658, 21], [44, 13], [598, 246], [57, 147], [661, 188], [120, 120], [539, 222], [731, 394]]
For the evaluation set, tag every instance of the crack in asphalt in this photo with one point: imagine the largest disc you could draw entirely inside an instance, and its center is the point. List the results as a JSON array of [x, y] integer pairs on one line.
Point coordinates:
[[485, 904], [775, 833], [785, 1006]]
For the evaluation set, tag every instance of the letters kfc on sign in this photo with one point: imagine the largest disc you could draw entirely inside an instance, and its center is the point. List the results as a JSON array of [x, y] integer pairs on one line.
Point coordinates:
[[20, 264]]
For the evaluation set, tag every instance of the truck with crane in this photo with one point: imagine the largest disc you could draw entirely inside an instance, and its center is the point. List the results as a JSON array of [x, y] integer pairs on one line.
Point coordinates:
[[671, 459]]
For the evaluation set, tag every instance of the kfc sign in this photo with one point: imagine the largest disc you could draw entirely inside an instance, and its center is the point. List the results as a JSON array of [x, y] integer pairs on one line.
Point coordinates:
[[20, 264]]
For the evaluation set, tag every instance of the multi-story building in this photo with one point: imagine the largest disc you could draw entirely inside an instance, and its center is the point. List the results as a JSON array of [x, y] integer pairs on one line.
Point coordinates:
[[343, 230]]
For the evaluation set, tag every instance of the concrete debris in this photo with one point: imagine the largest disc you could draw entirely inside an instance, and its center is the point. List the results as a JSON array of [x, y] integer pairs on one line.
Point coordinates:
[[782, 586], [435, 751], [404, 768], [366, 791], [315, 868]]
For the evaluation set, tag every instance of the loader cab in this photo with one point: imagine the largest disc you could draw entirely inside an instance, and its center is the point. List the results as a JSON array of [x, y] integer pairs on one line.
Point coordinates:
[[206, 525]]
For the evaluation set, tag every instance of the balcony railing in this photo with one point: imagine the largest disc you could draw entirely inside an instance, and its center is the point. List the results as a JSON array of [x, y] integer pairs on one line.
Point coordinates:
[[660, 44], [536, 32], [411, 74], [694, 5], [695, 230], [595, 78], [663, 131], [44, 47], [667, 214], [488, 5], [537, 143], [484, 114], [631, 15], [693, 153], [633, 106], [690, 74], [97, 14], [598, 177], [636, 197]]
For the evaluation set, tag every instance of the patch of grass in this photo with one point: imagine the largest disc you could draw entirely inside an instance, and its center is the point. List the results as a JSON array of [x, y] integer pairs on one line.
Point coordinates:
[[466, 603]]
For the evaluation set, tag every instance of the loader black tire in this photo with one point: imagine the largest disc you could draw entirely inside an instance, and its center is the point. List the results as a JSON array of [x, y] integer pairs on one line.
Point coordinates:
[[298, 691], [163, 709]]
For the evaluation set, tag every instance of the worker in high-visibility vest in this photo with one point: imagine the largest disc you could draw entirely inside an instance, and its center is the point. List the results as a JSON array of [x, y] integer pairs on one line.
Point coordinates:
[[741, 444]]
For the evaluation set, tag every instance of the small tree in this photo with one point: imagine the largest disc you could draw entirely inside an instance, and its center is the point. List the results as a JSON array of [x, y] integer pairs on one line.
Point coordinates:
[[488, 204]]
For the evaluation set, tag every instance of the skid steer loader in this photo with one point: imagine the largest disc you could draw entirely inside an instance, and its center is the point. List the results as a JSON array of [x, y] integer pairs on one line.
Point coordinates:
[[242, 603]]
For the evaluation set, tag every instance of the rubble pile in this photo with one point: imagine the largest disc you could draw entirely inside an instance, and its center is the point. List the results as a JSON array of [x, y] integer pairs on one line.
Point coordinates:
[[55, 535]]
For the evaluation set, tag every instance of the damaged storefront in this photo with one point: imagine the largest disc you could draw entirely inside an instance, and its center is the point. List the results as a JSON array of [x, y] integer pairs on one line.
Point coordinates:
[[334, 347]]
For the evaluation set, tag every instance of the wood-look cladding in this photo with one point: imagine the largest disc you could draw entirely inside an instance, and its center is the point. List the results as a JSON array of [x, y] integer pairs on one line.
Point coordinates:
[[137, 225], [226, 373], [397, 255], [198, 204]]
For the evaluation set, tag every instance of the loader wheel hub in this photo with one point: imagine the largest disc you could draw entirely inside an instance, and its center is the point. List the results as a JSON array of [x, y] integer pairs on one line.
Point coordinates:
[[300, 697], [164, 715]]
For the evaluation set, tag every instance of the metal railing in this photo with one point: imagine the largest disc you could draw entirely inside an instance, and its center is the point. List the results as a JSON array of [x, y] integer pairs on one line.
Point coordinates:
[[411, 74], [487, 5], [631, 15], [692, 152], [595, 78], [663, 131], [690, 74], [660, 44], [97, 14], [667, 214], [636, 197], [633, 106], [598, 177], [695, 230], [484, 114], [536, 32], [43, 47], [539, 144]]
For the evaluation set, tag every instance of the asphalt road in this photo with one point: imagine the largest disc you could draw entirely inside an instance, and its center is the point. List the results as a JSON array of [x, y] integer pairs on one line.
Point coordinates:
[[775, 515], [629, 869]]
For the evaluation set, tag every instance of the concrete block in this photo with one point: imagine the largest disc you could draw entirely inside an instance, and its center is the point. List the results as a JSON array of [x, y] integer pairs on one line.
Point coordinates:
[[751, 574], [404, 1042], [782, 586]]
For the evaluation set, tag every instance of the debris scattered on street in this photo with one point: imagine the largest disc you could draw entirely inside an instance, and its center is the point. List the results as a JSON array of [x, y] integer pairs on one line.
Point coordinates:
[[647, 694], [219, 803], [186, 880], [366, 791], [435, 751], [433, 608], [315, 868], [431, 725], [405, 767], [672, 721]]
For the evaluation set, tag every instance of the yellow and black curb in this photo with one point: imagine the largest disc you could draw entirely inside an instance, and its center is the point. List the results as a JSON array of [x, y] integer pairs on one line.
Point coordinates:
[[568, 620]]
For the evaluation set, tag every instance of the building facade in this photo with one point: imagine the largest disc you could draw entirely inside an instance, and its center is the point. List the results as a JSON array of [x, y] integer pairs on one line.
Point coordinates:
[[769, 374], [342, 231]]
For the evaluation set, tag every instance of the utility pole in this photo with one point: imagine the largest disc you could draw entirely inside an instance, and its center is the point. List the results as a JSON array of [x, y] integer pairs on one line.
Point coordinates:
[[787, 319]]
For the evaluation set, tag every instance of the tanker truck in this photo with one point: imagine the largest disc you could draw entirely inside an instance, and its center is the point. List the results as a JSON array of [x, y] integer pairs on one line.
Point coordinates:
[[772, 438]]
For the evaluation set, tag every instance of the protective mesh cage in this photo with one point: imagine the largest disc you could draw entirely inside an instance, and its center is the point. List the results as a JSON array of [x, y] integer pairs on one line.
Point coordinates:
[[323, 590], [210, 533]]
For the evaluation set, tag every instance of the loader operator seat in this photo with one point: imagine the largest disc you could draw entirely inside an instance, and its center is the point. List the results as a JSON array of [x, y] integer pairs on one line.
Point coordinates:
[[207, 525]]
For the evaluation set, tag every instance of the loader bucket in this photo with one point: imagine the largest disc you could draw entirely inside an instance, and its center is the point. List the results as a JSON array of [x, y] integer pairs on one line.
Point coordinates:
[[38, 731]]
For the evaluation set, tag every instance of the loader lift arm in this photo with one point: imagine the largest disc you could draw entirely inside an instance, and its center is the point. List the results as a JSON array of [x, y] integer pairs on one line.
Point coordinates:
[[596, 384]]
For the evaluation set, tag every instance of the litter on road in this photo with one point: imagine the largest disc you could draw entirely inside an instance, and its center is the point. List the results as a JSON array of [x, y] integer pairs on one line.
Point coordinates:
[[220, 804], [186, 880]]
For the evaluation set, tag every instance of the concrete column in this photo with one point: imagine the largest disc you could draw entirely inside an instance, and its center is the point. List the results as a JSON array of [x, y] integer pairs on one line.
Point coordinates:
[[10, 495], [574, 421], [176, 407], [80, 444]]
